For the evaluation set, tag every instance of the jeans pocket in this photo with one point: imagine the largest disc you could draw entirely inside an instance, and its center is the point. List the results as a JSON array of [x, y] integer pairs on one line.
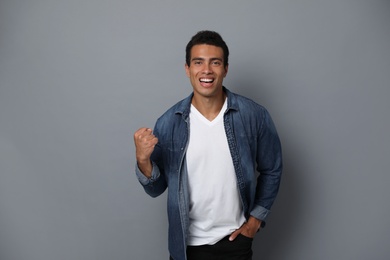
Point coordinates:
[[245, 238]]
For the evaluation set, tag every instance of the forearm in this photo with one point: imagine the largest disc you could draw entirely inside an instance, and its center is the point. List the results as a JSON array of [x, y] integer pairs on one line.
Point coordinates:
[[145, 167], [254, 224], [153, 185]]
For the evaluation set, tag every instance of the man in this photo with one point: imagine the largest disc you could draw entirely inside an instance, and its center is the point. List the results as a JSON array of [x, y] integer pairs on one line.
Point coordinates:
[[219, 155]]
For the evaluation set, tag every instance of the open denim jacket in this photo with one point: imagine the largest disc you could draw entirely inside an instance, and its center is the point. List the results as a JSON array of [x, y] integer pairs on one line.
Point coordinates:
[[257, 158]]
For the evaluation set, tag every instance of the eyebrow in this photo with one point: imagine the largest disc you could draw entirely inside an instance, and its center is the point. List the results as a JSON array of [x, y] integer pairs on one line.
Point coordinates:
[[202, 59]]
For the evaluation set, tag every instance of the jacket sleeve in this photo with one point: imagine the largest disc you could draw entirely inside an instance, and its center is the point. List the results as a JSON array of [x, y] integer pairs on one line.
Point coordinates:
[[156, 184], [269, 166]]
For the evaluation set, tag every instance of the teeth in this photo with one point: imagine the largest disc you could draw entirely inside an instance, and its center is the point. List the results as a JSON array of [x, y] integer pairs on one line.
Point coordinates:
[[206, 80]]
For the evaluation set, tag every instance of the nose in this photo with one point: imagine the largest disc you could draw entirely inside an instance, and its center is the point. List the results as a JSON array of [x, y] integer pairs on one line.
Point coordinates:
[[207, 68]]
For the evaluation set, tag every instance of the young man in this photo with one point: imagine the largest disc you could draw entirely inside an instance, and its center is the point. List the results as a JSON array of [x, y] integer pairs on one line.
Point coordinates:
[[219, 155]]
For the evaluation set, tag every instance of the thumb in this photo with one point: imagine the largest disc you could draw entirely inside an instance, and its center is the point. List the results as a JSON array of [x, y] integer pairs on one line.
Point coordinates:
[[234, 235]]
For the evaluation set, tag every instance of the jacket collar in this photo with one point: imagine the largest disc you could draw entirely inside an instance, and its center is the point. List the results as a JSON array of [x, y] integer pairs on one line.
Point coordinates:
[[185, 105]]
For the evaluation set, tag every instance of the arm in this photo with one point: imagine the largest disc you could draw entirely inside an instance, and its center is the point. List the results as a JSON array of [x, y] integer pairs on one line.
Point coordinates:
[[269, 161], [269, 166], [145, 142], [147, 171]]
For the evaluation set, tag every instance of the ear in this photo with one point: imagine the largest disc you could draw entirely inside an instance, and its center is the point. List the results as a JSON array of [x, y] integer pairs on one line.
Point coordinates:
[[187, 68], [226, 70]]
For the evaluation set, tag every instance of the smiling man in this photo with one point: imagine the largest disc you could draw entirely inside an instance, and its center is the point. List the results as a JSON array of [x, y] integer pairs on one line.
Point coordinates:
[[219, 155]]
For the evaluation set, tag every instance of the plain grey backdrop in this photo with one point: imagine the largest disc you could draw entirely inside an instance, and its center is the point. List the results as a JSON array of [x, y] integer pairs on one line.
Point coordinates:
[[78, 77]]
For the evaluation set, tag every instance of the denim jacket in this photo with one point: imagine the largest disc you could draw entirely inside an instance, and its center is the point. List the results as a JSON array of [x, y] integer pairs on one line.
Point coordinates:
[[257, 158]]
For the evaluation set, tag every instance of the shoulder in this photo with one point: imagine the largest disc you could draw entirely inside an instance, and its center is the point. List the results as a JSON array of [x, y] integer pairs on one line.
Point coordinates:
[[177, 109], [175, 113], [245, 105], [250, 113]]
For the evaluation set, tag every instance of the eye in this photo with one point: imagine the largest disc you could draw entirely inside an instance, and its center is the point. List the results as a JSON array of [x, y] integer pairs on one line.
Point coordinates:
[[216, 63]]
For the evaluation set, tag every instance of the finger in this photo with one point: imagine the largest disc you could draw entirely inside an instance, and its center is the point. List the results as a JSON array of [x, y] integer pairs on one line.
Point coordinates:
[[153, 141], [142, 132], [138, 133], [147, 133], [147, 142], [234, 234], [146, 138]]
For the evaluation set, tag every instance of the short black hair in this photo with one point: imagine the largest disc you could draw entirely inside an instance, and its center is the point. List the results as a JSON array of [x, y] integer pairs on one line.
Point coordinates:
[[210, 38]]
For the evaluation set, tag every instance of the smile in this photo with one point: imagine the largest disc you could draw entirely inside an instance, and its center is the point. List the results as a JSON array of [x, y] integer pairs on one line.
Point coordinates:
[[205, 80]]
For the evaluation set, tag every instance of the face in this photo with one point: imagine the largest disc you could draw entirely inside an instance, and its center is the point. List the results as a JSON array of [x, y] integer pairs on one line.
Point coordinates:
[[206, 70]]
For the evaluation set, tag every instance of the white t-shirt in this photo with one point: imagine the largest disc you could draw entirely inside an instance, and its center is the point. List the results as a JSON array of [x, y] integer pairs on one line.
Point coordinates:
[[215, 203]]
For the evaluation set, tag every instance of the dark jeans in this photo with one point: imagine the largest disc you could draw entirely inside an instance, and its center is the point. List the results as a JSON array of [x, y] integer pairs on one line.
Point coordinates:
[[239, 249]]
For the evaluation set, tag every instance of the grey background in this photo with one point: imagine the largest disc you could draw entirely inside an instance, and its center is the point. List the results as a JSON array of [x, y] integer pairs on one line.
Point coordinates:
[[77, 78]]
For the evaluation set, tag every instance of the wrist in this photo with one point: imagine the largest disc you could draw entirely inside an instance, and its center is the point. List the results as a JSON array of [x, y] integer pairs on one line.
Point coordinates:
[[254, 223], [145, 167]]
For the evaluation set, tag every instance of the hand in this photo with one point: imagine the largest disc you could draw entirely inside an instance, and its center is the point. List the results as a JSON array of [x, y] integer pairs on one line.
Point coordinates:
[[248, 229], [145, 142]]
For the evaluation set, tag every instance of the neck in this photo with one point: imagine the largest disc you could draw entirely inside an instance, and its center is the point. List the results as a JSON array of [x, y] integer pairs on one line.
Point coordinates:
[[209, 107]]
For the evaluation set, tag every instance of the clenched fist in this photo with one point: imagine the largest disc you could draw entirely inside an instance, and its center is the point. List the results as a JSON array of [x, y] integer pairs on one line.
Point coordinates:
[[145, 142]]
